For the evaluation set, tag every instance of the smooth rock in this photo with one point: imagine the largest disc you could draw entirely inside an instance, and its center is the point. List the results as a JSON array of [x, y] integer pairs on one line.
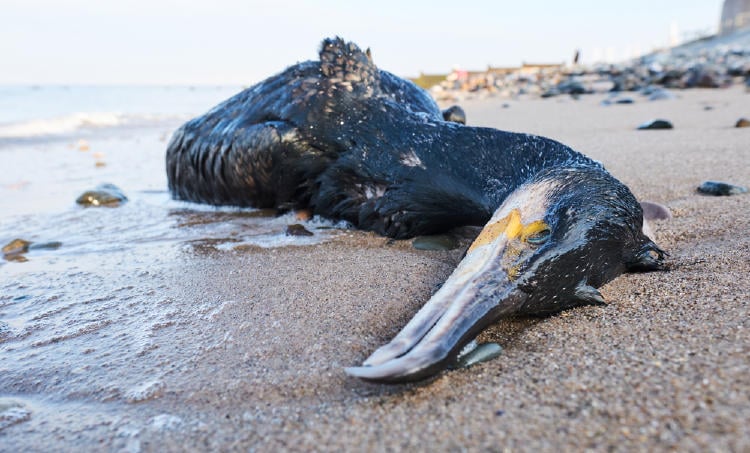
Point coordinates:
[[626, 82], [297, 230], [572, 87], [618, 100], [718, 188], [742, 122], [703, 77], [108, 195], [435, 242], [660, 94], [655, 125], [52, 245], [16, 247]]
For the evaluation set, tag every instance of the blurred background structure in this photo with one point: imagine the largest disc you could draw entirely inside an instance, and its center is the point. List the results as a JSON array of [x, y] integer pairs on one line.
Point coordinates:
[[735, 16]]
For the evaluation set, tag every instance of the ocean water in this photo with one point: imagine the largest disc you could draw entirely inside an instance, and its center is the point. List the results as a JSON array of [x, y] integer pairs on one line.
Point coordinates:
[[56, 142], [52, 111]]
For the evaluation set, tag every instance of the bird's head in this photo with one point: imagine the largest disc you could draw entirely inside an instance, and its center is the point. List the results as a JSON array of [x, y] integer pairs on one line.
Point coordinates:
[[550, 244]]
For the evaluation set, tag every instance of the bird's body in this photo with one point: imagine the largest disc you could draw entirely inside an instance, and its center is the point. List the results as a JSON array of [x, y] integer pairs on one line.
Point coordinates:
[[379, 155], [349, 141]]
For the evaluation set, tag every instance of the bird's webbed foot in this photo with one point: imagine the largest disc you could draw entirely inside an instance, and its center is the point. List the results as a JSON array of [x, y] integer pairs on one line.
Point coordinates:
[[454, 114], [649, 258], [397, 224]]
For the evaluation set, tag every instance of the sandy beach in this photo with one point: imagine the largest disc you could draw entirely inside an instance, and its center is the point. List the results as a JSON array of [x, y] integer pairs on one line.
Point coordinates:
[[202, 345]]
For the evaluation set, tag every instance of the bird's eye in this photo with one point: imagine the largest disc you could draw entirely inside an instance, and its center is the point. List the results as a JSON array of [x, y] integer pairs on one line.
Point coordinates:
[[538, 238]]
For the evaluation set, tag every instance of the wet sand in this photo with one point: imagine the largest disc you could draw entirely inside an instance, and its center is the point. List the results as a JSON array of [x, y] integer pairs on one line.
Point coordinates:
[[197, 347]]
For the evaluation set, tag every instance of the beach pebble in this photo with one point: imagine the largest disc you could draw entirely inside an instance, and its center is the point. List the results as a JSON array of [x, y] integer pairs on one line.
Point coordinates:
[[17, 258], [655, 125], [435, 242], [625, 82], [618, 100], [16, 246], [718, 188], [742, 122], [480, 353], [572, 87], [660, 94], [15, 249], [104, 195], [52, 245], [703, 77], [297, 230]]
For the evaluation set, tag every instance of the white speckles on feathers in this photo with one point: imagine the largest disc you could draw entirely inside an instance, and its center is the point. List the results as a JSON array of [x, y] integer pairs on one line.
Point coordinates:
[[410, 159], [371, 191]]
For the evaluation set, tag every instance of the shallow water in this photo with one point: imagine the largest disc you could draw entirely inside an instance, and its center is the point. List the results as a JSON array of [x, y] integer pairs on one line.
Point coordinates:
[[76, 322]]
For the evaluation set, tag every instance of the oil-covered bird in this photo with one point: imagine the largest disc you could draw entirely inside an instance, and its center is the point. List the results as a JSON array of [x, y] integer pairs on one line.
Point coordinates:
[[346, 140]]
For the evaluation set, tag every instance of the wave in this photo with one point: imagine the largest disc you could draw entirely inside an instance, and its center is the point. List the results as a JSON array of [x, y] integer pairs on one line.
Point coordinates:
[[75, 122]]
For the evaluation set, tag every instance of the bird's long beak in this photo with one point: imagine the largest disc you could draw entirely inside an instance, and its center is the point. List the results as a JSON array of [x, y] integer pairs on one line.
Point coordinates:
[[478, 292]]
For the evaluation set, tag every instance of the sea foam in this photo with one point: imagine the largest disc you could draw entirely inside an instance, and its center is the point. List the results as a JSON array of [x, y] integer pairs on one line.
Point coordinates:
[[66, 124]]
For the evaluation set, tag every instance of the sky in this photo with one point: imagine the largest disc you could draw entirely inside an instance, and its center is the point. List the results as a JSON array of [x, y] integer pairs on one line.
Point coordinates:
[[222, 42]]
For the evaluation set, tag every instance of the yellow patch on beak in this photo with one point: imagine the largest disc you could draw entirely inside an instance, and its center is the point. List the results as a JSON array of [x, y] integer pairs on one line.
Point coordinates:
[[493, 231], [511, 226]]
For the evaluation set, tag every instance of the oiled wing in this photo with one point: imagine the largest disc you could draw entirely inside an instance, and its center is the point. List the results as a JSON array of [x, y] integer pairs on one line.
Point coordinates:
[[396, 200], [260, 165], [268, 145]]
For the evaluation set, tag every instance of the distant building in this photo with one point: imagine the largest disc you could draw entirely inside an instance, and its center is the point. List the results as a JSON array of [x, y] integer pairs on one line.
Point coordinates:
[[735, 15], [540, 68]]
